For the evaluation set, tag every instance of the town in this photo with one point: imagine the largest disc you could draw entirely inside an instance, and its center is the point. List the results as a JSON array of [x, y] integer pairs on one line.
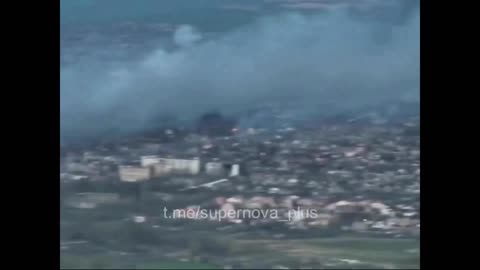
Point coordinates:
[[362, 178]]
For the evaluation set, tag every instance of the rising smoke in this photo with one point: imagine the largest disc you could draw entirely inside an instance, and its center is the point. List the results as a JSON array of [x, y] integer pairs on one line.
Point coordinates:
[[186, 36], [300, 61]]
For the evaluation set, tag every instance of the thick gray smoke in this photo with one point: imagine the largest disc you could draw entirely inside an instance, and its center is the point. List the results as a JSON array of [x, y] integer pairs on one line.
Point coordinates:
[[186, 36], [297, 60]]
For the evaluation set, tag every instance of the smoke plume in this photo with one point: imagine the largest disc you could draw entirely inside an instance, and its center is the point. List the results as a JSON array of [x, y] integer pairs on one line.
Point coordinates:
[[186, 36], [302, 61]]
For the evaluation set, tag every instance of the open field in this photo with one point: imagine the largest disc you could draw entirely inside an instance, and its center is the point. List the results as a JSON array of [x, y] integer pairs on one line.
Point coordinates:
[[335, 252], [116, 262], [349, 251]]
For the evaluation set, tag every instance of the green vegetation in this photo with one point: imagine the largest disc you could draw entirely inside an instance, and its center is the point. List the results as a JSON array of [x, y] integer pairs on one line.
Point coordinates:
[[177, 265], [349, 251], [107, 238], [116, 262]]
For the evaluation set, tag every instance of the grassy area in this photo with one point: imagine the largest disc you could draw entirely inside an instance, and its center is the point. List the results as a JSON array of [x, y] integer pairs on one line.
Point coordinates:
[[349, 251], [177, 265], [111, 241], [128, 262], [333, 253]]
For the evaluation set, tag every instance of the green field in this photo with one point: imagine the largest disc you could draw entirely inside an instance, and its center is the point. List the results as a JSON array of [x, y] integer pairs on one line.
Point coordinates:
[[112, 242], [114, 262], [351, 252], [177, 265], [337, 252]]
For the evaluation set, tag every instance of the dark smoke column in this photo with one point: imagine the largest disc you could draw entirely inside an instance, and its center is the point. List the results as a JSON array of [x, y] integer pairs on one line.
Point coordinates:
[[215, 124]]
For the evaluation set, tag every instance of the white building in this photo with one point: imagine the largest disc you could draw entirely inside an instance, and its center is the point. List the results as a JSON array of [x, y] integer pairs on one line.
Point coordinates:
[[235, 171], [134, 174], [149, 160], [163, 166], [214, 168]]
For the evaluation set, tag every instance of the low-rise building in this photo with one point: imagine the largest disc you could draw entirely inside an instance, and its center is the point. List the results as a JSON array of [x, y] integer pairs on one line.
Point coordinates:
[[214, 168], [164, 166], [134, 173]]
